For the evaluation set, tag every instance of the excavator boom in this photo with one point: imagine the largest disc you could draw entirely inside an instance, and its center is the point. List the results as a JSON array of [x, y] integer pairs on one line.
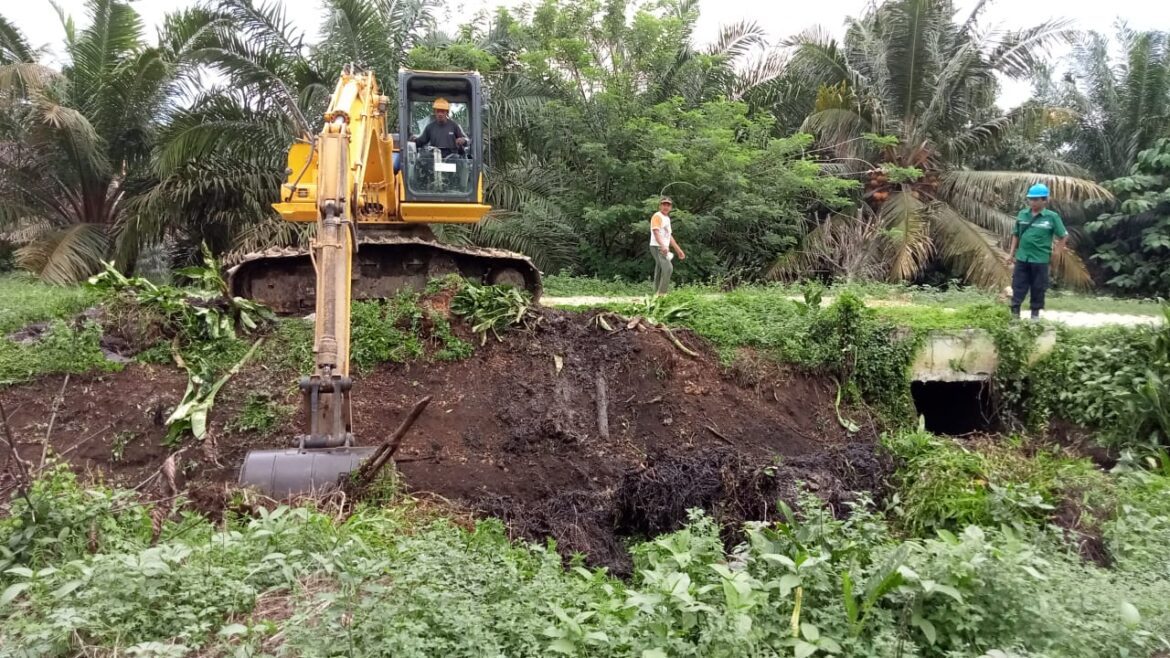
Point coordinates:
[[371, 200]]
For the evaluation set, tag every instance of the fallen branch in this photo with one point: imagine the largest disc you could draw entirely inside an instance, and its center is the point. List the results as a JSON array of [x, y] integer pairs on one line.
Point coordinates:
[[719, 435], [677, 343], [602, 408], [372, 466]]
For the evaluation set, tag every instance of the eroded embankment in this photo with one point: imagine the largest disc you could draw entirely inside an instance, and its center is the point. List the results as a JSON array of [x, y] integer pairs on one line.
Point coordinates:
[[512, 431]]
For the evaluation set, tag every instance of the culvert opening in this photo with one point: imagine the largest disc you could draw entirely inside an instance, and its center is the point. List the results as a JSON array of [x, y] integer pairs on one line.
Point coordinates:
[[954, 408]]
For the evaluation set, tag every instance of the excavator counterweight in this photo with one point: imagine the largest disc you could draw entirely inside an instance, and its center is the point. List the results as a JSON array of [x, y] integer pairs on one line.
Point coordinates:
[[371, 197]]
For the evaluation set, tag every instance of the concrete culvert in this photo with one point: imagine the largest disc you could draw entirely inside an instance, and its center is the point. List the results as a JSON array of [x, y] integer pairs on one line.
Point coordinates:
[[955, 408]]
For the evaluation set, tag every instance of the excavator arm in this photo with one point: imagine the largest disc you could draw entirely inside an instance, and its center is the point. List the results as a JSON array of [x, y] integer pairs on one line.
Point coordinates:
[[354, 126], [336, 161]]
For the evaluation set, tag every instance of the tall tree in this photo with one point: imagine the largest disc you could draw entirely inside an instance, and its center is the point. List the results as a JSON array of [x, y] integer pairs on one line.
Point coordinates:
[[907, 69], [1116, 106], [75, 144]]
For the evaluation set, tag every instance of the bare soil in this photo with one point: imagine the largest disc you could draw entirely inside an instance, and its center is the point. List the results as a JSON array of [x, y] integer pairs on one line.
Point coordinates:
[[509, 432]]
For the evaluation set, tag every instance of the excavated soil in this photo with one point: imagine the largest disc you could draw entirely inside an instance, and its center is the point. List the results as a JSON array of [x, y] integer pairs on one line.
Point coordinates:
[[512, 431]]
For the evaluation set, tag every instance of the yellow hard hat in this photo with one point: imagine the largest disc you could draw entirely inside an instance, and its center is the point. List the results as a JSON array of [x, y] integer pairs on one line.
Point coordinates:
[[442, 104]]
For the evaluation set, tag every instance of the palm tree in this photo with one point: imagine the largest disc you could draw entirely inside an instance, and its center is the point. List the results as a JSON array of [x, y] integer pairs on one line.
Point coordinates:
[[907, 71], [1116, 108], [75, 143]]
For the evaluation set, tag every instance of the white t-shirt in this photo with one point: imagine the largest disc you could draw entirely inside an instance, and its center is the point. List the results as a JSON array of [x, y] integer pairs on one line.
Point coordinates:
[[662, 223]]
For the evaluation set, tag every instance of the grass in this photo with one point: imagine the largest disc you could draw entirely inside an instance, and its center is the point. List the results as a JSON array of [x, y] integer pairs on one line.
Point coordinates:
[[24, 300], [948, 484], [914, 296]]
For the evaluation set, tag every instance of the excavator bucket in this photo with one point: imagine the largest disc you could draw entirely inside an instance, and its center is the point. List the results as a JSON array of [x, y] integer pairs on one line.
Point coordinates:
[[289, 472]]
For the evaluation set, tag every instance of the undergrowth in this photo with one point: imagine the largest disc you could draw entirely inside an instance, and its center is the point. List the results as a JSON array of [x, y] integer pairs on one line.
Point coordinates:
[[1113, 380], [25, 300], [948, 484], [64, 347], [83, 576]]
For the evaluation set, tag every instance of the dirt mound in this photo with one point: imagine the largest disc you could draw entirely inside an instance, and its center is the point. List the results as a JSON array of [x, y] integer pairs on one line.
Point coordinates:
[[514, 431]]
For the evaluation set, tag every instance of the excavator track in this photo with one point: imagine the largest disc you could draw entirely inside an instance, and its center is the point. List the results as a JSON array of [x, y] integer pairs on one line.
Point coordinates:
[[386, 264]]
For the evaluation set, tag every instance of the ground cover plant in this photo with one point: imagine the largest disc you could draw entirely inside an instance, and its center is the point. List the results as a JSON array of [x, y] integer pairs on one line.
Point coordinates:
[[994, 546], [83, 573]]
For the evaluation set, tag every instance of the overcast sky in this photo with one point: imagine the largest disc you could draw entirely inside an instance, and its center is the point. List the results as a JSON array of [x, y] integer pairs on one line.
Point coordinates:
[[781, 18]]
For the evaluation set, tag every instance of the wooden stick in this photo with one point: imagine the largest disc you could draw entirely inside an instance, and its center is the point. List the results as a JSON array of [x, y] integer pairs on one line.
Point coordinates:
[[719, 434], [602, 408], [26, 479], [385, 451], [52, 419]]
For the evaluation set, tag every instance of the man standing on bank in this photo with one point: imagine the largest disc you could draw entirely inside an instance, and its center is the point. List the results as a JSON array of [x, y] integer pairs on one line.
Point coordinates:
[[661, 241], [1032, 248]]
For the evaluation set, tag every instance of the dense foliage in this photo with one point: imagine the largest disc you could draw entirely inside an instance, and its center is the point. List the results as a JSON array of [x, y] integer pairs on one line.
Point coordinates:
[[907, 69], [1134, 240], [597, 108], [81, 572]]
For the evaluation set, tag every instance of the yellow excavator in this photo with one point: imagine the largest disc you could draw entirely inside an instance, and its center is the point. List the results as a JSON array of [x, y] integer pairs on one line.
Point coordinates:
[[371, 196]]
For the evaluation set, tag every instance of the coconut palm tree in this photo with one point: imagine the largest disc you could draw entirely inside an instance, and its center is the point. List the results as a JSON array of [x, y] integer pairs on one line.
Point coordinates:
[[75, 143], [905, 102]]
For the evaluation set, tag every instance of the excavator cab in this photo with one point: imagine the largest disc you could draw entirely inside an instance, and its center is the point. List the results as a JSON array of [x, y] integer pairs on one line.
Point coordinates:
[[442, 181]]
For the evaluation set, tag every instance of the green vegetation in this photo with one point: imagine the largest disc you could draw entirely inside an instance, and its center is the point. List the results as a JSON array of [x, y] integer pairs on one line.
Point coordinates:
[[83, 571], [945, 485], [24, 300], [491, 308], [1113, 380], [63, 348], [865, 159], [261, 413], [1134, 242]]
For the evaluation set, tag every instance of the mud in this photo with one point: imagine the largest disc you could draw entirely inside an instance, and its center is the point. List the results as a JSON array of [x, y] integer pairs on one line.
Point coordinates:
[[511, 433]]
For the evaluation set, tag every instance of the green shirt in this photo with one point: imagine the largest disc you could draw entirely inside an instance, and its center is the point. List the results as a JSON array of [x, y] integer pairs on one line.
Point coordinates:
[[1035, 233]]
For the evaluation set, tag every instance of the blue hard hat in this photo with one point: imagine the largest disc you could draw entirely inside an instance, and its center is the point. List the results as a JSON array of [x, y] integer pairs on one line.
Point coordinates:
[[1038, 191]]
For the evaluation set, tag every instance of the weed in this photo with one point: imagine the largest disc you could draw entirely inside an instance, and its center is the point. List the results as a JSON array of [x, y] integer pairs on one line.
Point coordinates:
[[63, 348], [261, 414], [25, 300], [119, 443], [946, 485], [82, 574], [492, 308]]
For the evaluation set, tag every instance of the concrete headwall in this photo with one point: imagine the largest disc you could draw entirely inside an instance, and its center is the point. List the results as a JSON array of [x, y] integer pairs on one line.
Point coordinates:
[[965, 355]]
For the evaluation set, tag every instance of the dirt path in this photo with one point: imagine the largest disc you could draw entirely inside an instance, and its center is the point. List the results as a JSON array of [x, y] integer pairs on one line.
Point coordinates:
[[1070, 318]]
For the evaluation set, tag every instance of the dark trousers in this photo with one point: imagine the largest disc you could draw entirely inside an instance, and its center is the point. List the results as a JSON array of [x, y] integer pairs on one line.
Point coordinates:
[[1029, 277]]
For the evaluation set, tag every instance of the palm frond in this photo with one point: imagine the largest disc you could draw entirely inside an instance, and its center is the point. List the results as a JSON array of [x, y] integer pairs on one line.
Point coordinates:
[[14, 46], [835, 126], [524, 186], [550, 243], [25, 79], [1009, 187], [737, 39], [1070, 270], [1020, 53], [272, 232], [764, 69], [968, 248], [65, 256], [906, 231], [514, 100], [912, 25], [983, 212]]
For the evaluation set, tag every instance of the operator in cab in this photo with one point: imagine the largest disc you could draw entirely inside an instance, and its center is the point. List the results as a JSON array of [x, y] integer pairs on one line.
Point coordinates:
[[442, 133]]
